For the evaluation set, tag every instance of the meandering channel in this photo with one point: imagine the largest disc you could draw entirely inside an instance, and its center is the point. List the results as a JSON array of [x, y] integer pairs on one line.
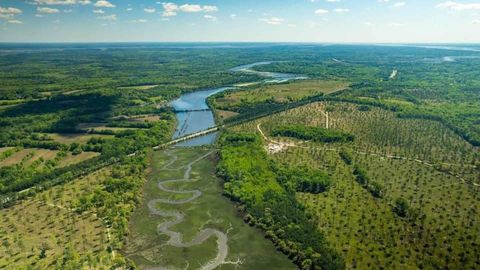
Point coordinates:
[[193, 115], [176, 238]]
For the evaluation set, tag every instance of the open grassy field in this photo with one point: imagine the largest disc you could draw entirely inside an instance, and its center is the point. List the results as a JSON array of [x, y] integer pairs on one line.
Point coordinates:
[[72, 159], [138, 87], [99, 127], [145, 118], [420, 161], [18, 157], [278, 93], [39, 157], [44, 232], [245, 247], [4, 149], [69, 138]]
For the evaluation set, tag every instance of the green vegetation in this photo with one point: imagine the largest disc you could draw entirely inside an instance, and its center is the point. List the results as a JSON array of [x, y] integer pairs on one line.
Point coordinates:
[[258, 95], [315, 134], [373, 187], [247, 248], [35, 231], [270, 204], [392, 182], [303, 179], [402, 194], [425, 86]]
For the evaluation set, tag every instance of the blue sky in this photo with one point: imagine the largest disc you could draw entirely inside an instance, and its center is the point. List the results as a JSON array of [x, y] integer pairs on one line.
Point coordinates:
[[371, 21]]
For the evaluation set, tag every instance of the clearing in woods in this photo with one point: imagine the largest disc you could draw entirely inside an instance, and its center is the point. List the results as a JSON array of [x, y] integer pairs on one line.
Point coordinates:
[[39, 232], [276, 93]]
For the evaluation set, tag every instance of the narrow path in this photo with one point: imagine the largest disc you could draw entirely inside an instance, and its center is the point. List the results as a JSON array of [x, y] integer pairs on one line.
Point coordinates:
[[176, 238]]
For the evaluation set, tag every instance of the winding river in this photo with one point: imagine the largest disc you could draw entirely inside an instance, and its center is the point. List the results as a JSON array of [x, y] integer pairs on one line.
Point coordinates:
[[195, 115], [176, 238]]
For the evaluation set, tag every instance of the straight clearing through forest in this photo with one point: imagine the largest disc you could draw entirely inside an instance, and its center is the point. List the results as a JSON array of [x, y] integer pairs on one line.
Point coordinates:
[[68, 138]]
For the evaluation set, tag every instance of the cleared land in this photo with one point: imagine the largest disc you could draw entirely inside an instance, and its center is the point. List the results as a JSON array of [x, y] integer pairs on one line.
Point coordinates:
[[72, 159], [99, 127], [281, 93], [421, 161], [18, 157], [67, 138], [202, 207], [145, 118], [38, 157], [44, 231], [139, 87]]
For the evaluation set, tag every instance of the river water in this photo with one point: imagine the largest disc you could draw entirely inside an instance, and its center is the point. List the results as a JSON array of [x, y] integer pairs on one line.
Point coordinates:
[[199, 117]]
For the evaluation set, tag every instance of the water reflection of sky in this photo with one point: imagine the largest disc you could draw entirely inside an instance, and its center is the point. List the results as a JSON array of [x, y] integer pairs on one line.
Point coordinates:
[[196, 121]]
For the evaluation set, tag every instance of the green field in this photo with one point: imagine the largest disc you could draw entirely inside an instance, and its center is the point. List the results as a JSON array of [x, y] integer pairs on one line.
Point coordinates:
[[421, 161], [247, 248], [44, 232], [350, 168], [232, 102]]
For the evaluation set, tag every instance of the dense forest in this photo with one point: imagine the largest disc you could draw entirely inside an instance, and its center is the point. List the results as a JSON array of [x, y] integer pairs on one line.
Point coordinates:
[[312, 133]]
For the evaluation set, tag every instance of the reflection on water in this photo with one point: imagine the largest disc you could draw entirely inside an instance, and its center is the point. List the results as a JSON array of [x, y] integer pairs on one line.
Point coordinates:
[[190, 120]]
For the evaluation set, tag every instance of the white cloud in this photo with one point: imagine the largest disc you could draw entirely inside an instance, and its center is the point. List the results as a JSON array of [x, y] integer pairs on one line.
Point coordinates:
[[321, 11], [399, 4], [171, 9], [149, 10], [104, 3], [62, 2], [98, 11], [210, 18], [7, 16], [10, 10], [46, 10], [112, 17], [190, 8], [140, 21], [15, 22], [476, 21], [273, 20], [452, 5], [210, 8]]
